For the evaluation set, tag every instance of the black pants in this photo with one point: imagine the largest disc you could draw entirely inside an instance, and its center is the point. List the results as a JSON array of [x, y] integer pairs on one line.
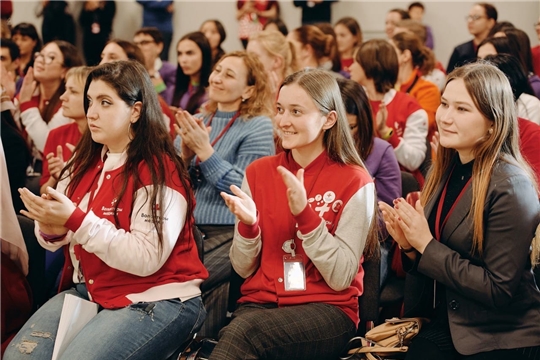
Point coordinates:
[[434, 342]]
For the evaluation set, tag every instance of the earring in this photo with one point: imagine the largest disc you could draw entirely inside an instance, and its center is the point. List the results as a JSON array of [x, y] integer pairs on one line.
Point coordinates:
[[244, 100], [490, 131]]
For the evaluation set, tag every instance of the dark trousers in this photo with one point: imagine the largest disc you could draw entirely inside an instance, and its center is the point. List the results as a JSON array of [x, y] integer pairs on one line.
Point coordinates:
[[215, 289], [435, 342], [264, 331]]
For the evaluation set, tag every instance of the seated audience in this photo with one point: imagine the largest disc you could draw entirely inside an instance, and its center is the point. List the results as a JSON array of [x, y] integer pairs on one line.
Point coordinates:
[[377, 154], [528, 105], [393, 17], [194, 68], [416, 12], [234, 129], [313, 48], [466, 244], [277, 25], [399, 119], [529, 132], [521, 48], [16, 150], [62, 140], [304, 219], [276, 55], [481, 19], [438, 73], [348, 37], [39, 98], [215, 33], [150, 41], [118, 49], [414, 60], [134, 256], [9, 59], [26, 37]]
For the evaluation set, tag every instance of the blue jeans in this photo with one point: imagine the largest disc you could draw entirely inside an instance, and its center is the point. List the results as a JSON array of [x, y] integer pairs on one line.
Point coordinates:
[[138, 331]]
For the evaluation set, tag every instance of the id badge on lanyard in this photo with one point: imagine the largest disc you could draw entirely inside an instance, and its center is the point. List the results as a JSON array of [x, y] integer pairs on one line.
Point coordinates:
[[294, 274]]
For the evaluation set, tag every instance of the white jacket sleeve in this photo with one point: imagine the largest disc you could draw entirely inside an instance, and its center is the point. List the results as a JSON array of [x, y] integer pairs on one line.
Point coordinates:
[[412, 148], [38, 129], [245, 253], [136, 251], [337, 257]]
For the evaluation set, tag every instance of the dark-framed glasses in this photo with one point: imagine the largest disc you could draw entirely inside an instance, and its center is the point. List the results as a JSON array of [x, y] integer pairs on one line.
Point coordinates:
[[474, 17]]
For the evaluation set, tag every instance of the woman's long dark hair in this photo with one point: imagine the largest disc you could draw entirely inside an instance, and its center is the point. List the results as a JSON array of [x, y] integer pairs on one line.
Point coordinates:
[[151, 143], [183, 80], [357, 103]]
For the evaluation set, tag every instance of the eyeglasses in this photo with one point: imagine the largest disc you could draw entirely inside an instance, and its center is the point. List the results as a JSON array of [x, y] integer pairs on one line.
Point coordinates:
[[47, 58], [474, 17], [143, 42]]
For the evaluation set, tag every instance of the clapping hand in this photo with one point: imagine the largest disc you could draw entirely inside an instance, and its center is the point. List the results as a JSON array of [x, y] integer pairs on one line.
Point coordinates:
[[296, 192], [28, 86], [241, 205], [56, 163], [51, 210], [407, 223], [195, 136]]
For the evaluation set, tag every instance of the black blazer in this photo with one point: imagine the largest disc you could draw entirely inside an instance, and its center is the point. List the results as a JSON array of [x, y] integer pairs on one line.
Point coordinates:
[[492, 300], [461, 55]]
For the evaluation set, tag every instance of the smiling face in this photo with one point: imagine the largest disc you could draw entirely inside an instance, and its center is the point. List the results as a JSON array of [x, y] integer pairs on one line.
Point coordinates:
[[300, 121], [228, 83], [48, 66], [112, 52], [461, 125], [346, 41], [109, 116], [189, 57], [392, 18], [211, 32], [72, 99]]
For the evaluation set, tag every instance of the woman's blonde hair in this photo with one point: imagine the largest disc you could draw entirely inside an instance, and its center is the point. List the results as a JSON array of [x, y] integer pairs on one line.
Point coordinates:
[[80, 73], [276, 44], [321, 86], [492, 95], [261, 102]]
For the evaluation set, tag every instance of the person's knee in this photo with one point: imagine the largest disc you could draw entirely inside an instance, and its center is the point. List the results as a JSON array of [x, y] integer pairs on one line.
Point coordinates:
[[242, 328]]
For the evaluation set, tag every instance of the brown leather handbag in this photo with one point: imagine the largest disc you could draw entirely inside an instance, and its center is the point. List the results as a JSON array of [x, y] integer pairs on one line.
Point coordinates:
[[389, 340]]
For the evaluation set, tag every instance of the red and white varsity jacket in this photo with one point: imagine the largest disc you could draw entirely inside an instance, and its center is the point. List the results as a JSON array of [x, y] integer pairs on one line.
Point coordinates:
[[125, 264], [330, 233]]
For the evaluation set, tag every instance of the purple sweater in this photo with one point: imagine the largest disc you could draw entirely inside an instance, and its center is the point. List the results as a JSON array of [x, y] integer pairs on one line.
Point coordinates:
[[384, 168], [168, 74]]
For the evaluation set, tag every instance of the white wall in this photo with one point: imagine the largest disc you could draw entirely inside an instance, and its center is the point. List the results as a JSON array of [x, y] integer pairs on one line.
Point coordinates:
[[446, 18]]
